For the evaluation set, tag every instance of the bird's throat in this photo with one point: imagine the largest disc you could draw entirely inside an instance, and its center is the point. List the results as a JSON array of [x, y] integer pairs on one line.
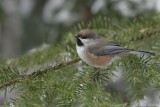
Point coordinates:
[[79, 42]]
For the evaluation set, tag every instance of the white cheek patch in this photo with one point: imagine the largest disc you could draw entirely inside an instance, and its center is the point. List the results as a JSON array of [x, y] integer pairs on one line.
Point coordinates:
[[88, 42], [85, 41]]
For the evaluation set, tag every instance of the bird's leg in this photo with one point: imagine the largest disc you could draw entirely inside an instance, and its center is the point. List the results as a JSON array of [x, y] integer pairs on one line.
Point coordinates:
[[96, 74], [100, 75]]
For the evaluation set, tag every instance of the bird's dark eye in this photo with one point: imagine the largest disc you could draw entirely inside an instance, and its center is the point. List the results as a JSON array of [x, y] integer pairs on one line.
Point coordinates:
[[84, 37]]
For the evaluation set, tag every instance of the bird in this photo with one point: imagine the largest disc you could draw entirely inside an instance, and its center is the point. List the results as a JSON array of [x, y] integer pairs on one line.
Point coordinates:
[[100, 52]]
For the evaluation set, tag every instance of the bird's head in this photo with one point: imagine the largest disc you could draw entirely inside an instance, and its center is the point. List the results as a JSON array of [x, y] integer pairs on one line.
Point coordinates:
[[86, 37]]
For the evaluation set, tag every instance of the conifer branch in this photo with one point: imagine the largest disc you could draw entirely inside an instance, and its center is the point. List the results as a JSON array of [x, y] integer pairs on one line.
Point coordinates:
[[38, 73], [4, 85], [145, 34]]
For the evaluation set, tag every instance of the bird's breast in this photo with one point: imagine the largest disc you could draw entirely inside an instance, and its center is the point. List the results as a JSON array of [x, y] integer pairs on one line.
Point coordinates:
[[91, 59], [98, 61]]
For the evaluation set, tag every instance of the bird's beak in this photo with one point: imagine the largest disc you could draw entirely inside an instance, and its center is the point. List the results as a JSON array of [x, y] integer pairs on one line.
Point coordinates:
[[76, 36]]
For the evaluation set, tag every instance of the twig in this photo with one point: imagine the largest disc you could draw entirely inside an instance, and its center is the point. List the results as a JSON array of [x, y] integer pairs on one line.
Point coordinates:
[[9, 83], [38, 73]]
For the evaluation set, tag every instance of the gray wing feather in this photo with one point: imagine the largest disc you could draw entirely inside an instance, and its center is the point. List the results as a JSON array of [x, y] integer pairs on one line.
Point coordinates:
[[110, 49], [112, 44]]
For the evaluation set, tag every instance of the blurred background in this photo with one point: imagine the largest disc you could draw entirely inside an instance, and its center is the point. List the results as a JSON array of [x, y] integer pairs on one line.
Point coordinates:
[[26, 24]]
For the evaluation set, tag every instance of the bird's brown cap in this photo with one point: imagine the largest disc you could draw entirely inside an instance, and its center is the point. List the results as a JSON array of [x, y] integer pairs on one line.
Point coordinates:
[[87, 34]]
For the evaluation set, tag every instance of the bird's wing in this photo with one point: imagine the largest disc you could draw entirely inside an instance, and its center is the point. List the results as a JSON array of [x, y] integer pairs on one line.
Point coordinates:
[[110, 48]]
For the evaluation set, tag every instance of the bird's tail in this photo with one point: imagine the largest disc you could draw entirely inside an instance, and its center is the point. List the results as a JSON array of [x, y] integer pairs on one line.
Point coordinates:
[[143, 53]]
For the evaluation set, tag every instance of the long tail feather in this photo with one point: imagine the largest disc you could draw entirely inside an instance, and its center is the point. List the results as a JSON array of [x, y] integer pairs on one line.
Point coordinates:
[[143, 53]]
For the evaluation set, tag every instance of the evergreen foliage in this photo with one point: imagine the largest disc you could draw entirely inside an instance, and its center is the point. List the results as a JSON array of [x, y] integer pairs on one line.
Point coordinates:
[[52, 76]]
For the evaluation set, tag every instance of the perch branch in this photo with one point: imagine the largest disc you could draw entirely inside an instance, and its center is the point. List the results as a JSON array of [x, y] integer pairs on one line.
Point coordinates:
[[38, 73]]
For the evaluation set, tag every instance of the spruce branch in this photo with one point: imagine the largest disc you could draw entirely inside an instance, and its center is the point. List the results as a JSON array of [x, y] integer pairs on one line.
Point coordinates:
[[38, 73], [9, 83], [145, 34]]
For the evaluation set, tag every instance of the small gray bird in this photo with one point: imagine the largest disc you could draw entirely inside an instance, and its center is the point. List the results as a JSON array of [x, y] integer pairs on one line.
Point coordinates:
[[100, 52]]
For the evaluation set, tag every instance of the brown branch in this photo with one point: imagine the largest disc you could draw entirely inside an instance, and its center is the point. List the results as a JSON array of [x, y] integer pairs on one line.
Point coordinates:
[[9, 83], [38, 73]]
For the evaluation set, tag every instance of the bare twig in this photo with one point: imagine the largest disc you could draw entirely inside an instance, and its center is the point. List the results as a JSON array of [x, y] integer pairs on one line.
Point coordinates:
[[38, 73]]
